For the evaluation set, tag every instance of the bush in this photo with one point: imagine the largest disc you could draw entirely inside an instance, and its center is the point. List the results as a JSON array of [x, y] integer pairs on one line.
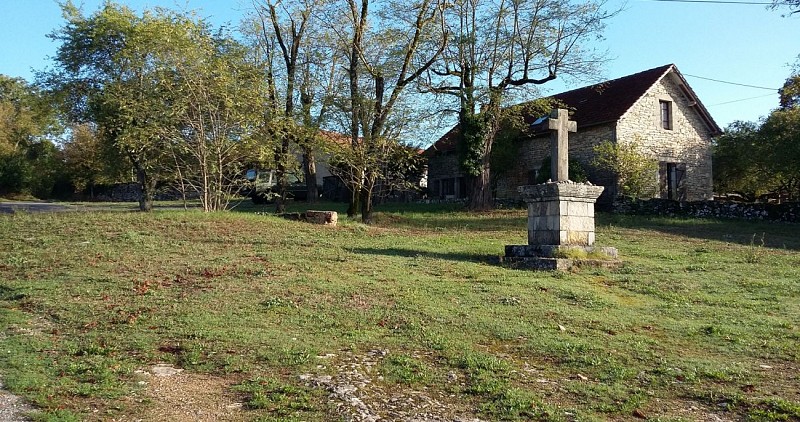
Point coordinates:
[[636, 172]]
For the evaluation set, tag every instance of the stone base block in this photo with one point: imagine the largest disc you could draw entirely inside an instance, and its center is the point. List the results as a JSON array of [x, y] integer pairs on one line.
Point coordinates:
[[553, 264], [559, 257], [328, 218], [561, 251]]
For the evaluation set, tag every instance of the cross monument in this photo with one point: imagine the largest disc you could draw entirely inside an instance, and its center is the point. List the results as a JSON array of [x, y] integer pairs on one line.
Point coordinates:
[[560, 125], [560, 212]]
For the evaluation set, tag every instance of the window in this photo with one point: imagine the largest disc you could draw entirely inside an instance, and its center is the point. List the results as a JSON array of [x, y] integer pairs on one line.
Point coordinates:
[[666, 114], [436, 189], [448, 187], [673, 183]]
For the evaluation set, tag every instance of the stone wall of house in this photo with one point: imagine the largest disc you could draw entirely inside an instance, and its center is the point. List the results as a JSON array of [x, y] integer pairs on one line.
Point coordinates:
[[443, 166], [532, 153], [688, 141]]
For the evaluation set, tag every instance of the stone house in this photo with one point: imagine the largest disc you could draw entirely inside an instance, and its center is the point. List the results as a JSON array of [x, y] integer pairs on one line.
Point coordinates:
[[655, 108]]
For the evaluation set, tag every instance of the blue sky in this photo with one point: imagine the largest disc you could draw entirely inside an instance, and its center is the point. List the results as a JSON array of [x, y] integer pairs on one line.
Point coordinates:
[[745, 44]]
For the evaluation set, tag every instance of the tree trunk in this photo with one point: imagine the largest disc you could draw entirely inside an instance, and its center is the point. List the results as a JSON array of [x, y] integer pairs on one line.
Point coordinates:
[[280, 173], [366, 203], [148, 186], [480, 198], [310, 173], [355, 203]]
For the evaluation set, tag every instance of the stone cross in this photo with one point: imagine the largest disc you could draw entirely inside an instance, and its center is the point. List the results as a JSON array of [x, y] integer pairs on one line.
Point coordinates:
[[560, 126]]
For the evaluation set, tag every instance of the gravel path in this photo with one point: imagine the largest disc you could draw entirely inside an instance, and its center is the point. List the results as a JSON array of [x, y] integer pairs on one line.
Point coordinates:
[[12, 407]]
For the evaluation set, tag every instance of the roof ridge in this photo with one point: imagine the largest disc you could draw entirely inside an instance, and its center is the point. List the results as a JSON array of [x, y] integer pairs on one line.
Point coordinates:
[[610, 81]]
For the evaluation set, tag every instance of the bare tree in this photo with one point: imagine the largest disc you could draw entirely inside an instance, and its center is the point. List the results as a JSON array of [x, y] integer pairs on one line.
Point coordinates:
[[296, 44], [288, 31], [498, 48], [382, 59]]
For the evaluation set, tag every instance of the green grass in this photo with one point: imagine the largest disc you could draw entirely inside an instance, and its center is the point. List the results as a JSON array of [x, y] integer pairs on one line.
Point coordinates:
[[703, 314]]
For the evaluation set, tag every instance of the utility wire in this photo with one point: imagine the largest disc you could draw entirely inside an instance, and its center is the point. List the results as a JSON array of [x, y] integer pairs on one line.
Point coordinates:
[[725, 82], [718, 2], [743, 99]]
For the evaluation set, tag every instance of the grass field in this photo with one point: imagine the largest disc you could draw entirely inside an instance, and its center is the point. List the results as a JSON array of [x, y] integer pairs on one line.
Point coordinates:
[[702, 321]]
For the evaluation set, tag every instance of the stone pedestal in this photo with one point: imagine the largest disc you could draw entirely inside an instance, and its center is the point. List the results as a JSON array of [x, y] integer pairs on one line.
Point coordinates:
[[560, 228], [560, 213]]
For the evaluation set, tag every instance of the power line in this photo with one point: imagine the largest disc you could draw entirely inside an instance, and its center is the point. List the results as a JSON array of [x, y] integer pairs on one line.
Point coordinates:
[[725, 82], [743, 99], [716, 2]]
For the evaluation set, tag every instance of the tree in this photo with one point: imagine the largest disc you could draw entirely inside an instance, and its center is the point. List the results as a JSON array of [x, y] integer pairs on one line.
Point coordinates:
[[289, 32], [89, 162], [382, 59], [739, 164], [792, 5], [170, 95], [108, 73], [780, 134], [790, 91], [295, 42], [28, 157], [218, 95], [755, 159], [635, 172], [499, 48]]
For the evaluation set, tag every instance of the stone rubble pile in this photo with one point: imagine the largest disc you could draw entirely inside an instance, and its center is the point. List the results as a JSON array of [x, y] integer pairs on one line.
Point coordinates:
[[360, 395]]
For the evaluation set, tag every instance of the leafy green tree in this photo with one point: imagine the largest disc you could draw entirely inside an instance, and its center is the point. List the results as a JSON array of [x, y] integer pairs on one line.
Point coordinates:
[[386, 48], [780, 135], [170, 94], [790, 91], [218, 95], [635, 171], [755, 159], [739, 163], [89, 162], [283, 31], [108, 73], [28, 157]]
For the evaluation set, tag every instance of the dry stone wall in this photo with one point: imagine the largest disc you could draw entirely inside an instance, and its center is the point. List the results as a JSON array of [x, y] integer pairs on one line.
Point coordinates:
[[787, 212], [131, 192]]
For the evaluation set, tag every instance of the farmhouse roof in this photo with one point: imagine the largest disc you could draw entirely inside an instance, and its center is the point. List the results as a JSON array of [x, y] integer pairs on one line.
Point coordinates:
[[602, 103]]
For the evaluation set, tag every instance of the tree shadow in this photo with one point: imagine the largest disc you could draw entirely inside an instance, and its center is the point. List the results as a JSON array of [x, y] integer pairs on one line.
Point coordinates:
[[774, 234], [467, 223], [415, 253]]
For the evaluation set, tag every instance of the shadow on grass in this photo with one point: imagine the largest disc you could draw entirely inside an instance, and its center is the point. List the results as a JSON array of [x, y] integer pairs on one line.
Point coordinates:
[[475, 223], [414, 253], [776, 235]]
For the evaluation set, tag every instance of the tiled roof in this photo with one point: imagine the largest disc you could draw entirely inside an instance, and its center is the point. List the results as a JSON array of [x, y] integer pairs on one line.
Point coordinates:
[[596, 104], [608, 101]]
